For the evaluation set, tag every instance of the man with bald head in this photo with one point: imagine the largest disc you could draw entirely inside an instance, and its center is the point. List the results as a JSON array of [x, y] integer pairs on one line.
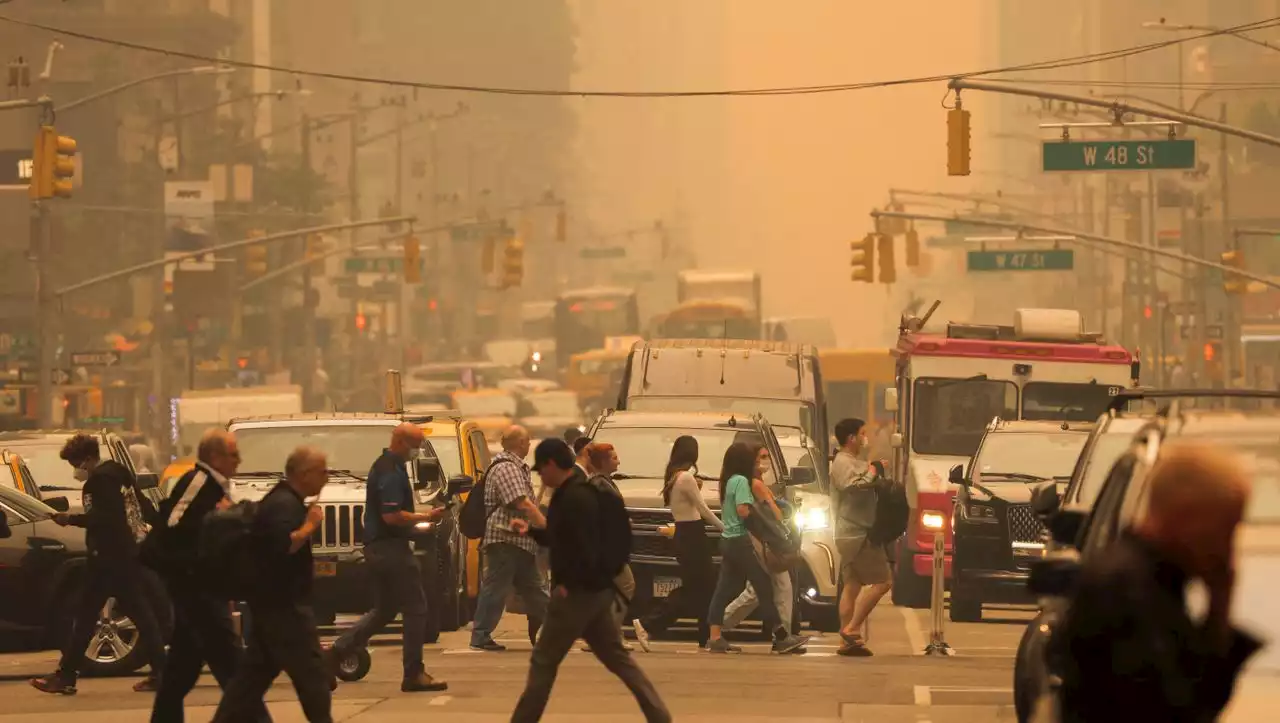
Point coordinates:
[[389, 520], [1129, 649], [510, 559]]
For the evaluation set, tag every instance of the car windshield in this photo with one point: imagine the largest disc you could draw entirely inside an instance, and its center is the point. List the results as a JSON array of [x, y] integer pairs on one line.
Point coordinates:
[[48, 469], [1059, 402], [28, 507], [803, 457], [951, 415], [778, 412], [1101, 459], [601, 365], [486, 405], [643, 451], [1042, 455], [351, 447], [554, 404]]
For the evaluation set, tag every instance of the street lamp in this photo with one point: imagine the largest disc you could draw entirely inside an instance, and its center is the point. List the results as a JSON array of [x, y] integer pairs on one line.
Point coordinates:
[[197, 70]]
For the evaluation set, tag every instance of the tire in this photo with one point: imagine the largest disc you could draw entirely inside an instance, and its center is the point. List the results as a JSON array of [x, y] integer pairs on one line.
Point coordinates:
[[909, 589], [452, 596], [354, 666], [962, 608], [1023, 686], [115, 648]]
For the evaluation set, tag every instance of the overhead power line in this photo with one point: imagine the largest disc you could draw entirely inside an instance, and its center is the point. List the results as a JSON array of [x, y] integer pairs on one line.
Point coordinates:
[[1067, 62]]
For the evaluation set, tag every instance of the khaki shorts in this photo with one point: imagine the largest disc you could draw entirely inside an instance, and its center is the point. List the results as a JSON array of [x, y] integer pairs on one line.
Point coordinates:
[[862, 563]]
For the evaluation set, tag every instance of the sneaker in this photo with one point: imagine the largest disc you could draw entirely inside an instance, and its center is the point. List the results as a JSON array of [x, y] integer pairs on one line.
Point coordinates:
[[789, 644], [800, 651], [422, 683], [642, 635], [489, 646], [856, 650], [721, 645], [54, 685], [149, 684]]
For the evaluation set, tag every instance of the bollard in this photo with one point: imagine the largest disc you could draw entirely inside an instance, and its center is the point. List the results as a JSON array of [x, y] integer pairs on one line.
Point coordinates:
[[937, 638]]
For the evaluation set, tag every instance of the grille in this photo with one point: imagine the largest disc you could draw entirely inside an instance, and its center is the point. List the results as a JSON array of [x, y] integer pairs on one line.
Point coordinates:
[[343, 527], [645, 538], [1024, 526], [653, 545], [650, 518]]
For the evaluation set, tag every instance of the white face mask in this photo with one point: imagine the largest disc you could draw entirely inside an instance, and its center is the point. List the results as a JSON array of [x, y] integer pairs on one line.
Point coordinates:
[[80, 474]]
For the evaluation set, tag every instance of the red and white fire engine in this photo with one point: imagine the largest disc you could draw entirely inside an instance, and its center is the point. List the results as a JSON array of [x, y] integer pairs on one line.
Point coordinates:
[[951, 385]]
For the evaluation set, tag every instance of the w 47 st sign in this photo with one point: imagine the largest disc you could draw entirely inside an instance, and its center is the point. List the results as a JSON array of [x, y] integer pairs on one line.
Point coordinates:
[[1166, 155]]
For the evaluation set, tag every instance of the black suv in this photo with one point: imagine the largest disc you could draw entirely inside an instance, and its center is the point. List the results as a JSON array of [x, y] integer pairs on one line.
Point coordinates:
[[997, 536]]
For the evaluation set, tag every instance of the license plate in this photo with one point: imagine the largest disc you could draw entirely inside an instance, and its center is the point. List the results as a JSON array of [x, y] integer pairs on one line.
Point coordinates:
[[662, 586], [325, 569]]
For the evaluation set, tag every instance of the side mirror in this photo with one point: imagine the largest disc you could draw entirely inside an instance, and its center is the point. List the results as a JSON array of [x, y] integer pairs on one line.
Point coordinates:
[[891, 399], [802, 476], [956, 475], [428, 469], [1064, 526], [1045, 500], [1053, 576], [147, 480], [460, 484], [58, 503]]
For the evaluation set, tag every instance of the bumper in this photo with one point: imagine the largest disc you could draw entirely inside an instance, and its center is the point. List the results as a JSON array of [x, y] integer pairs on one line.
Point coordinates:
[[343, 582], [922, 564], [994, 586]]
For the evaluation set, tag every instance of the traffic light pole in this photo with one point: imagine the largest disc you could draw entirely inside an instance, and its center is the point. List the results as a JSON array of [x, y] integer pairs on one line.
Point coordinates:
[[40, 244]]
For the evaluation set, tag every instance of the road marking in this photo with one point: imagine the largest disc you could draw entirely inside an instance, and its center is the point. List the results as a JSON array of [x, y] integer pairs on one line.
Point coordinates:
[[442, 700], [915, 636], [923, 696], [461, 651]]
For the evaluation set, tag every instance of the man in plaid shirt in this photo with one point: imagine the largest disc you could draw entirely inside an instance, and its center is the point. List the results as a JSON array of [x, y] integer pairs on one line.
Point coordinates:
[[510, 559]]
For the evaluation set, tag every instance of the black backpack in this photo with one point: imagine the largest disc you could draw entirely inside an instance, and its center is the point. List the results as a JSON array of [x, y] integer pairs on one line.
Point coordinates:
[[225, 557], [892, 514], [472, 518], [615, 529]]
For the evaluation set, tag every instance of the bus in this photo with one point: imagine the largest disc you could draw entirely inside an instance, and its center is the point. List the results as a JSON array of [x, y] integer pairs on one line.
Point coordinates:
[[585, 317], [950, 385], [856, 382], [708, 319]]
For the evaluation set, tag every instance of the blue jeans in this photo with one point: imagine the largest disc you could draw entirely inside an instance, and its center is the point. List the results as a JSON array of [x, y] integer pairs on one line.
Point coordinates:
[[507, 567]]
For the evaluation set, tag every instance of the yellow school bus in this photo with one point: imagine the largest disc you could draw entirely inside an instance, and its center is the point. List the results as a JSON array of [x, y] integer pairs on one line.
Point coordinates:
[[855, 381]]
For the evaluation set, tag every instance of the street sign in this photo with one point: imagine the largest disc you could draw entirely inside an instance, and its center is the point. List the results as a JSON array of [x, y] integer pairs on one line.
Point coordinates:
[[603, 252], [1047, 260], [32, 376], [15, 167], [95, 358], [1213, 332], [375, 264], [1178, 154], [480, 230]]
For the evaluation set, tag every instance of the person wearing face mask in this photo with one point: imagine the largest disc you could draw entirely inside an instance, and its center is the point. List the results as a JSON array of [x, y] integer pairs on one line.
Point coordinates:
[[389, 520], [112, 525], [864, 565]]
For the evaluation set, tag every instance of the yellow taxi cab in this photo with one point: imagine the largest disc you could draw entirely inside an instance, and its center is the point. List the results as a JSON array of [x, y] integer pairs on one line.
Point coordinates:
[[463, 451], [173, 471], [591, 373], [15, 474], [492, 411]]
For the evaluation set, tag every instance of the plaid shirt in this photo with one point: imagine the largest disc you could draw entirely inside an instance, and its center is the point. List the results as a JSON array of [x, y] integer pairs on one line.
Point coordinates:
[[508, 480]]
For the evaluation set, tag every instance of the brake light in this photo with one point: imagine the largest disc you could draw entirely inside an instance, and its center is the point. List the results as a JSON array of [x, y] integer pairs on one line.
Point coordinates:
[[932, 520]]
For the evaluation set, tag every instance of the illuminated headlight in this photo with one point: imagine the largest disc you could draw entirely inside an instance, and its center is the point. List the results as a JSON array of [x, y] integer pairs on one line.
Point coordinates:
[[932, 520], [421, 526], [817, 518], [537, 356], [977, 513]]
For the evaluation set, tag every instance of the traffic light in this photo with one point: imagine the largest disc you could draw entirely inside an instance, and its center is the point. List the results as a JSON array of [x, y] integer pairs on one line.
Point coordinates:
[[412, 260], [315, 246], [957, 142], [888, 268], [255, 256], [513, 263], [562, 225], [1210, 351], [863, 258], [913, 248], [361, 321], [53, 165], [1232, 283]]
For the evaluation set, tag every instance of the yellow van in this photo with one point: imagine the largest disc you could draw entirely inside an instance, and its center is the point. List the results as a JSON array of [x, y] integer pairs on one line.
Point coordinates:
[[855, 381]]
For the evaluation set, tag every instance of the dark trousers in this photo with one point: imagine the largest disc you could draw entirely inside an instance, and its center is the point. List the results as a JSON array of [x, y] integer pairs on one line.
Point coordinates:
[[738, 566], [507, 567], [589, 616], [202, 633], [123, 580], [693, 553], [282, 639], [397, 589]]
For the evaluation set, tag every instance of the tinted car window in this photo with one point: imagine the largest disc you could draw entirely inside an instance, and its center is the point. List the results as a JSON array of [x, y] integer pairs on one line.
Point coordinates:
[[951, 415], [644, 451], [1106, 450]]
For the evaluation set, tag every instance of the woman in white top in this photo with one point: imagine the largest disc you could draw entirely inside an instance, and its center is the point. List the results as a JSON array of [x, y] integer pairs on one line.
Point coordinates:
[[682, 493]]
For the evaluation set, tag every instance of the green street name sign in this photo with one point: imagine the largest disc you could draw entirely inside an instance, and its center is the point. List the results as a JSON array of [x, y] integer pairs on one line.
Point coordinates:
[[1052, 260], [1168, 155], [374, 264]]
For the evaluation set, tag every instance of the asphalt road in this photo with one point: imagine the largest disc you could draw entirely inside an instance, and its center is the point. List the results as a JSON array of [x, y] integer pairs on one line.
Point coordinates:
[[898, 684]]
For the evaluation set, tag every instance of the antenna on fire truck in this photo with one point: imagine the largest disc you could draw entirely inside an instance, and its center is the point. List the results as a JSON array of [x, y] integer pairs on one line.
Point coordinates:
[[911, 324]]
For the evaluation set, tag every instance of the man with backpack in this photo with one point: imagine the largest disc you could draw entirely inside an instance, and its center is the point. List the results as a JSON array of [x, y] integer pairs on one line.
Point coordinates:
[[862, 532], [589, 535], [510, 559], [389, 520], [283, 635], [113, 523]]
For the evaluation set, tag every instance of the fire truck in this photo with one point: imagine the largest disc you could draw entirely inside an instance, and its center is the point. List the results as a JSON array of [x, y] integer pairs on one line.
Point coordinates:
[[950, 385]]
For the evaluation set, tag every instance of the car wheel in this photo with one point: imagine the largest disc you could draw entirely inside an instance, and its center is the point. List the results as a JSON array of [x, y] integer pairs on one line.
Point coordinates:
[[1023, 687], [962, 608], [909, 589], [115, 647], [354, 665]]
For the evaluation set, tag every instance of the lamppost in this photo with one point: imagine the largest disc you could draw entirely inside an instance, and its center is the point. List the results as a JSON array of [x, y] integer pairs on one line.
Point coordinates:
[[197, 70]]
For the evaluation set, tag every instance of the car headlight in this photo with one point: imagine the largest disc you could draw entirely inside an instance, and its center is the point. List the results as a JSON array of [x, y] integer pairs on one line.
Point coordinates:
[[423, 526], [817, 518], [537, 356], [982, 514], [932, 520]]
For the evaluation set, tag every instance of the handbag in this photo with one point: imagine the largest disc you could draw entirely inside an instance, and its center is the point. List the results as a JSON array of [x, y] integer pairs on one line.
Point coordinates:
[[776, 548], [134, 514]]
